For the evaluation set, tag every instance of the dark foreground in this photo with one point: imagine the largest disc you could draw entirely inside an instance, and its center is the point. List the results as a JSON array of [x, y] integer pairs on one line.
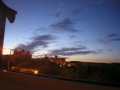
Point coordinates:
[[17, 81]]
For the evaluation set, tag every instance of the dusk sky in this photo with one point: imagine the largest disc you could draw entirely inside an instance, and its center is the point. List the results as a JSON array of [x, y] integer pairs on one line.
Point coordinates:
[[79, 30]]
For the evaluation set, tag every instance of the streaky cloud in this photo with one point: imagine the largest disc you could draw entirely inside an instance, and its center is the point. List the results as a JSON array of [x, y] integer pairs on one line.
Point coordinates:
[[66, 25], [113, 37], [72, 36], [37, 41], [65, 51], [57, 14]]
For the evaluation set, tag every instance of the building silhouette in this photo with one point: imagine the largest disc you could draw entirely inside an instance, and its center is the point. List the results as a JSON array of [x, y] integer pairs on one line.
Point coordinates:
[[16, 58], [57, 60], [22, 55]]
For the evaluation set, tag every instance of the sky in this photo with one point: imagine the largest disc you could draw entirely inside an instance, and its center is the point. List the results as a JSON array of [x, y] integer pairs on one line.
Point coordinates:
[[79, 30]]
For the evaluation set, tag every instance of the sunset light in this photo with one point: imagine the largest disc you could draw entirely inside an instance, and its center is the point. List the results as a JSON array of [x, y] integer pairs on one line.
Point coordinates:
[[75, 30], [59, 44]]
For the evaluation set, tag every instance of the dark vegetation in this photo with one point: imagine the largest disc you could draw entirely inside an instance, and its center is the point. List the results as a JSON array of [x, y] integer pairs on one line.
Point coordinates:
[[98, 72]]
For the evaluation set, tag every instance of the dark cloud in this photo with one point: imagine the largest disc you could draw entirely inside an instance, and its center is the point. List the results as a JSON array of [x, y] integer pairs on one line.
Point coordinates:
[[72, 36], [37, 41], [41, 29], [65, 25], [114, 37], [75, 12], [81, 50], [57, 14]]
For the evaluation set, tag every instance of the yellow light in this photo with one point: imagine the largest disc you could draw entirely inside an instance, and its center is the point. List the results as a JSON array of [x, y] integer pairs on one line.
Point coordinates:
[[69, 65], [35, 72], [60, 65], [4, 70], [7, 51]]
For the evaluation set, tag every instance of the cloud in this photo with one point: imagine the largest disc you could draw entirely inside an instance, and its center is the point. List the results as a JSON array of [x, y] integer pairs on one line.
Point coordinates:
[[40, 30], [81, 50], [76, 12], [37, 41], [57, 14], [66, 25], [72, 36], [113, 37]]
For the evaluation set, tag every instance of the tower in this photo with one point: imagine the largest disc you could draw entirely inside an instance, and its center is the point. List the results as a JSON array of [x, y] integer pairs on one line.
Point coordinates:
[[5, 12]]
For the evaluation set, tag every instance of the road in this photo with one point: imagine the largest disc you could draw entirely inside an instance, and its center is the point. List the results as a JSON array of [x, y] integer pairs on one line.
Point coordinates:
[[17, 81]]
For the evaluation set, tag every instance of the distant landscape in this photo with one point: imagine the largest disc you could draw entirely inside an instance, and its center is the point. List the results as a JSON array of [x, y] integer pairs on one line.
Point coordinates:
[[55, 66]]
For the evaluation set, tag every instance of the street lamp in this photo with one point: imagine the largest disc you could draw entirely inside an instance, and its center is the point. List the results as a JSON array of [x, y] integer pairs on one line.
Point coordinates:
[[9, 60]]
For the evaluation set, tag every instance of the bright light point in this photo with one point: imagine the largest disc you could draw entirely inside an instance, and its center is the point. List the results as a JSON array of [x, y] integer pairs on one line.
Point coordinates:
[[4, 70], [60, 65], [7, 51], [69, 65], [35, 72]]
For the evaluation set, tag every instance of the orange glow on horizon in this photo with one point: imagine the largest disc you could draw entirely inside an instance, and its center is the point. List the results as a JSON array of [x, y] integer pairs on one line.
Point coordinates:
[[7, 51]]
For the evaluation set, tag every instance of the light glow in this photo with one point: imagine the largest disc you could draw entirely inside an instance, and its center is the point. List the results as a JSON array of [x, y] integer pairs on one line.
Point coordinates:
[[35, 72]]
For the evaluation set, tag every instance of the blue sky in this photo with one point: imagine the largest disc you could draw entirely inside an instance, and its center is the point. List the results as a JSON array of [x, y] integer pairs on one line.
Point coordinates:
[[84, 30]]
